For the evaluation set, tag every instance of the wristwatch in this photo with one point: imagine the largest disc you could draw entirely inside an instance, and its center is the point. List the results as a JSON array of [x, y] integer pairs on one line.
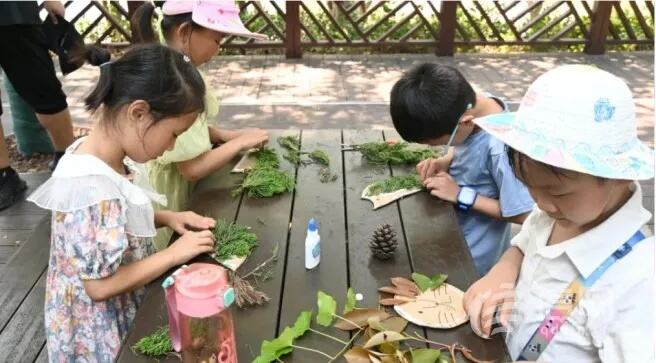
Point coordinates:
[[466, 199]]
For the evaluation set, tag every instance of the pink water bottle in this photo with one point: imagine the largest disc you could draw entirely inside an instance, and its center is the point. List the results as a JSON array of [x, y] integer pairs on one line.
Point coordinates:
[[201, 329]]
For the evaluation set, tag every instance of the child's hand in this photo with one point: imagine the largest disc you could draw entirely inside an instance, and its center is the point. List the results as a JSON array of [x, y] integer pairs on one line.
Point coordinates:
[[180, 221], [252, 138], [494, 290], [190, 245], [429, 167], [443, 186]]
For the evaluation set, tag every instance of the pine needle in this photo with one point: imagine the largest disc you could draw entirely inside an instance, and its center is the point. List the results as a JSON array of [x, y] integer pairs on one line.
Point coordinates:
[[266, 158], [265, 183], [232, 240], [398, 153], [394, 183], [265, 179], [156, 344]]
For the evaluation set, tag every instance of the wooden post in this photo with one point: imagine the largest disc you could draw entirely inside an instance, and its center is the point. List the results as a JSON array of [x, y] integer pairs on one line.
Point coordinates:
[[293, 29], [132, 7], [596, 43], [447, 32]]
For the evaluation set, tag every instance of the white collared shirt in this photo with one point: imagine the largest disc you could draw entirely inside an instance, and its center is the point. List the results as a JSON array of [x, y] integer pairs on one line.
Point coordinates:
[[614, 322]]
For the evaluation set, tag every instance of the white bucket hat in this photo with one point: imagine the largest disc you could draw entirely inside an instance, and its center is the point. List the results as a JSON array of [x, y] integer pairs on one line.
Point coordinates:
[[579, 118]]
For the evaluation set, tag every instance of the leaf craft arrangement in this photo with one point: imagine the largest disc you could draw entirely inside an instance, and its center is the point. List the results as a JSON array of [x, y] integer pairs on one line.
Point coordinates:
[[386, 191], [426, 301], [234, 243]]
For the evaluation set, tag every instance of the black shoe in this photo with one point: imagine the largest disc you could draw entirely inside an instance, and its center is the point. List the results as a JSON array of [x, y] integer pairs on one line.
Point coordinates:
[[11, 188], [52, 164]]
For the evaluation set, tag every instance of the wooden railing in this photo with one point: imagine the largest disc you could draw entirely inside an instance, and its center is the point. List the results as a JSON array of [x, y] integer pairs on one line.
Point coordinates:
[[393, 26]]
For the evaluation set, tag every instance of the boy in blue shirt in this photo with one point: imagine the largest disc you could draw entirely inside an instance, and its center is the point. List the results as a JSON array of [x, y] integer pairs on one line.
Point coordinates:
[[434, 104]]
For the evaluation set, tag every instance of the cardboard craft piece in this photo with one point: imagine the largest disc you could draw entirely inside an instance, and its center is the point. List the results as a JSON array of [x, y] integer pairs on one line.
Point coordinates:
[[233, 263], [439, 308], [384, 199], [246, 162]]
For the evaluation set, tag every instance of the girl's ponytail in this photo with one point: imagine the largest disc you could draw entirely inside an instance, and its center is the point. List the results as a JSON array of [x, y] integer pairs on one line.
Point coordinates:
[[101, 93], [142, 20]]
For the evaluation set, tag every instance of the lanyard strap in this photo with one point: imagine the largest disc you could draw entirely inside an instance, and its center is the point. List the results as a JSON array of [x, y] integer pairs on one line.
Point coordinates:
[[568, 300]]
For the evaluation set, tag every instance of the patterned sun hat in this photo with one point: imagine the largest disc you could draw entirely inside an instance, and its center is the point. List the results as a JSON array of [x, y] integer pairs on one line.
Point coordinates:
[[579, 118], [219, 15]]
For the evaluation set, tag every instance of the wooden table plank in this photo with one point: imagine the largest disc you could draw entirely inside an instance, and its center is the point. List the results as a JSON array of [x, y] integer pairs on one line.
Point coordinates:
[[269, 219], [212, 198], [367, 273], [24, 335], [437, 246], [23, 271], [325, 202]]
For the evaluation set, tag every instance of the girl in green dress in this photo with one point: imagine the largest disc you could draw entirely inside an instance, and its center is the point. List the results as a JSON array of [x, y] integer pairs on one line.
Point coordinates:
[[195, 28]]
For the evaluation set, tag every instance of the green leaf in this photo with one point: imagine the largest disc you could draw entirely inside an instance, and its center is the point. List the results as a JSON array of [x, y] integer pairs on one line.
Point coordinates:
[[426, 283], [438, 280], [302, 323], [327, 307], [350, 301], [423, 282], [425, 355], [274, 349]]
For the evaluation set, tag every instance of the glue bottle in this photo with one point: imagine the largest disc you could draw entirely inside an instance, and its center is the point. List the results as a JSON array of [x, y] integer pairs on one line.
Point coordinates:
[[312, 245]]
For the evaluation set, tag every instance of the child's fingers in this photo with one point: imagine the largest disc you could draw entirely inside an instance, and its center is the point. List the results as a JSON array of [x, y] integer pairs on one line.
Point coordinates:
[[474, 309], [487, 316], [505, 311]]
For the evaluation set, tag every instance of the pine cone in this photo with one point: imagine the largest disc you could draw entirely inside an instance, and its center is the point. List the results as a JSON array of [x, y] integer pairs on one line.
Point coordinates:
[[383, 242]]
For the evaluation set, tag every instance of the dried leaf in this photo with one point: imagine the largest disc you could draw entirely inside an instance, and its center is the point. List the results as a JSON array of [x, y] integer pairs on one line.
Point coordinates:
[[388, 359], [404, 283], [384, 337], [395, 323], [360, 317], [368, 333], [373, 359], [357, 355], [467, 353], [391, 302], [388, 348], [397, 291], [374, 323]]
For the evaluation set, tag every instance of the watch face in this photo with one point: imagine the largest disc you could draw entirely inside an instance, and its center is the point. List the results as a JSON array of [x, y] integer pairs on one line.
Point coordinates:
[[467, 196]]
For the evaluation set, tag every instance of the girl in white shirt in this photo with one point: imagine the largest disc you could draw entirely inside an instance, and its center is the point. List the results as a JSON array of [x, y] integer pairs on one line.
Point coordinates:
[[577, 283]]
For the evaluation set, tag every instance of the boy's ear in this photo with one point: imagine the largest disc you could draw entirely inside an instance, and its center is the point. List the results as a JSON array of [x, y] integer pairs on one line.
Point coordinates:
[[467, 119]]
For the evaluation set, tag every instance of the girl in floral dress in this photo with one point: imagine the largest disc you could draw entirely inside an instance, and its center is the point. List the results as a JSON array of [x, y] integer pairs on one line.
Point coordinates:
[[101, 251]]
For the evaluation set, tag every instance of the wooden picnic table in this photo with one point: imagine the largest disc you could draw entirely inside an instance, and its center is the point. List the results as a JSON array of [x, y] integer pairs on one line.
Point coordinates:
[[429, 237]]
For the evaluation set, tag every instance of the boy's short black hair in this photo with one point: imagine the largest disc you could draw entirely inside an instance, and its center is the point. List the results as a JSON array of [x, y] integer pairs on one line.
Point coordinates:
[[428, 100]]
